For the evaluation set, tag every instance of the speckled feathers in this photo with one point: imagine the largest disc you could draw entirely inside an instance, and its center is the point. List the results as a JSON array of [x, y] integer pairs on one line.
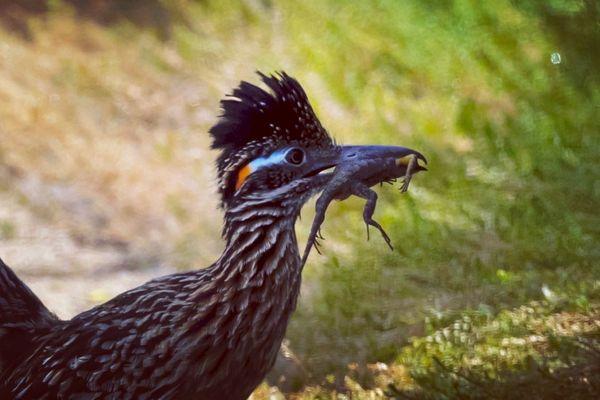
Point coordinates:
[[256, 122]]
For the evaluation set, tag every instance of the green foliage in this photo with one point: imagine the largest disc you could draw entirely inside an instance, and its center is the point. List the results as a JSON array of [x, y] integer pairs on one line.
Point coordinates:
[[509, 204], [532, 352]]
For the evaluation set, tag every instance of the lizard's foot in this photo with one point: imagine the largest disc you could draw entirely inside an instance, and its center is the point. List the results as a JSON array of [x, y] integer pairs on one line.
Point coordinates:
[[405, 183], [391, 181], [317, 246], [313, 241], [319, 235], [372, 222]]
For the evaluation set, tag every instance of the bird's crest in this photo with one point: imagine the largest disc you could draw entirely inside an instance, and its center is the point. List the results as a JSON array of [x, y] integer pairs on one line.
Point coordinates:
[[256, 122]]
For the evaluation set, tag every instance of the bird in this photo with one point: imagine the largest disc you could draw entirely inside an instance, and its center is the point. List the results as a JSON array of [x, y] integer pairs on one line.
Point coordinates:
[[207, 333]]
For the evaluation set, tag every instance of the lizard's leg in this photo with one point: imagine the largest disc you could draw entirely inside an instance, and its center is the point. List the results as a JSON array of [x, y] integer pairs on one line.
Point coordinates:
[[408, 175], [320, 207], [363, 191], [391, 181]]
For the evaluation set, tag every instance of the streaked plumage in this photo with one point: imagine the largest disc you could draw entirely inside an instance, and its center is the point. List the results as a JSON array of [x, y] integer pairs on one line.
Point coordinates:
[[207, 334]]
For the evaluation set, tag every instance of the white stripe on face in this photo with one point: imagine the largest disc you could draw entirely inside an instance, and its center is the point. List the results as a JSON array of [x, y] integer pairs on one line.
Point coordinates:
[[274, 158]]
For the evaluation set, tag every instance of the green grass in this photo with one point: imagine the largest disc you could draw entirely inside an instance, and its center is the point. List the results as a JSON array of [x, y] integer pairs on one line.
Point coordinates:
[[537, 350], [509, 205]]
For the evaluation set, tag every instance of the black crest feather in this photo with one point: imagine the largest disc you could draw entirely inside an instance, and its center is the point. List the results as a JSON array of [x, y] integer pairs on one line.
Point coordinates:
[[255, 122]]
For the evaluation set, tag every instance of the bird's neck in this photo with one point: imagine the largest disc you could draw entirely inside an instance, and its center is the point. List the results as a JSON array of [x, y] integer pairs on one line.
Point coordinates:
[[255, 286], [261, 245]]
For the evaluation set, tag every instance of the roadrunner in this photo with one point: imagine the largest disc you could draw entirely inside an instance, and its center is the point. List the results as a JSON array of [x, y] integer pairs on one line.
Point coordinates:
[[211, 333]]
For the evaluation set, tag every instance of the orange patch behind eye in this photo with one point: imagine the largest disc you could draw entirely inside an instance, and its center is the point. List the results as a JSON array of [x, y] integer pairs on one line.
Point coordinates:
[[242, 175]]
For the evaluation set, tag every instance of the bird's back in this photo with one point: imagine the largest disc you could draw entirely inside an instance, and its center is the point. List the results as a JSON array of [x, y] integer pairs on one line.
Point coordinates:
[[23, 320]]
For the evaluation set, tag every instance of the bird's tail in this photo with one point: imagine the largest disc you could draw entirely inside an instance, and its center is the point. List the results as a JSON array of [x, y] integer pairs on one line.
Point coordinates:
[[23, 317]]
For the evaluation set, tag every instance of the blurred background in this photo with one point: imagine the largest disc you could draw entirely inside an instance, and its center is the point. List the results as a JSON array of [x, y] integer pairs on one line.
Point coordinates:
[[493, 290]]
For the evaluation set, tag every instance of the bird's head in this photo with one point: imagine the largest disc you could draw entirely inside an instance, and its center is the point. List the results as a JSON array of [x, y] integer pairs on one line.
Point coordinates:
[[273, 146]]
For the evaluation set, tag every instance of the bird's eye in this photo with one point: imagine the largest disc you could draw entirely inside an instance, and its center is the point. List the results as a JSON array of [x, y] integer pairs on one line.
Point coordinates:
[[295, 156]]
